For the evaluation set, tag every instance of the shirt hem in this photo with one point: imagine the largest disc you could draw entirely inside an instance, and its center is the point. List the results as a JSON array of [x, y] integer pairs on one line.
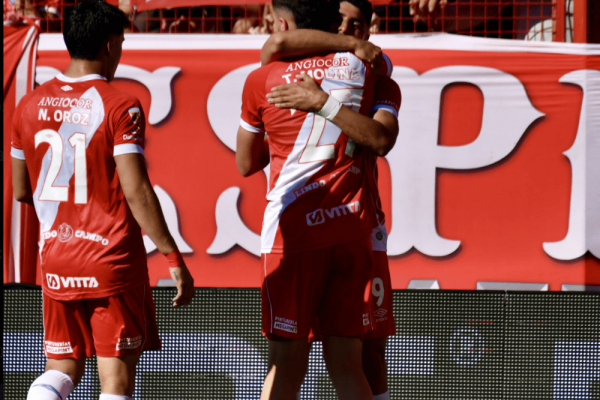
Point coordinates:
[[362, 235]]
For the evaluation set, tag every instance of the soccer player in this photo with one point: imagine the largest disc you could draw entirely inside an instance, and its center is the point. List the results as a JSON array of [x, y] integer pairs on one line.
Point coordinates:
[[78, 157], [307, 96], [316, 232]]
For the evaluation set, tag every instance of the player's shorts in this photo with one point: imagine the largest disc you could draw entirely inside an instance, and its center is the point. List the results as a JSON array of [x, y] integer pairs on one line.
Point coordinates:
[[331, 283], [108, 327], [382, 298]]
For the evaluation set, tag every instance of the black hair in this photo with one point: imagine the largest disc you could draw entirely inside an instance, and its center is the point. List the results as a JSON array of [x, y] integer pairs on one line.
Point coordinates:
[[365, 7], [312, 14], [88, 26]]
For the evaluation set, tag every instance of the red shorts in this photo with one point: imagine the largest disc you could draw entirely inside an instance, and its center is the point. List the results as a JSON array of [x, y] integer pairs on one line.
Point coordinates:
[[382, 298], [109, 327], [332, 283]]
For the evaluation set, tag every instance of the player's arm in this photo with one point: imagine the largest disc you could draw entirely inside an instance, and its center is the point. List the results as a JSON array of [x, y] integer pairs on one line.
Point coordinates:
[[146, 210], [307, 41], [376, 134], [252, 151], [20, 181]]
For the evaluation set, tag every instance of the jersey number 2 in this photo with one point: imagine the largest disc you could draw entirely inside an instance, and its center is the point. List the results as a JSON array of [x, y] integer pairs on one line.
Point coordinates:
[[61, 193], [313, 151]]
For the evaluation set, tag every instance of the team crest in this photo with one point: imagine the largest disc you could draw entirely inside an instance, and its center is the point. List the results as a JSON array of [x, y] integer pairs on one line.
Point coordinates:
[[136, 118], [65, 232]]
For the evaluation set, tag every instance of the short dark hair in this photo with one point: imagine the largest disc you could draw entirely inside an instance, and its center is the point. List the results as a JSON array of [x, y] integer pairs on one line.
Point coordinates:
[[365, 7], [312, 14], [89, 24]]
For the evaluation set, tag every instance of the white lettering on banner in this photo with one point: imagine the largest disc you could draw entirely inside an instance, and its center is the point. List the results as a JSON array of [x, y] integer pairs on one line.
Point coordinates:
[[225, 96], [584, 215], [158, 83], [170, 212], [416, 156], [231, 230], [414, 175]]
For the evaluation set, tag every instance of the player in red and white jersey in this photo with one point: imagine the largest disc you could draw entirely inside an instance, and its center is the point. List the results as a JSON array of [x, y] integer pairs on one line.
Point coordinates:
[[68, 131], [356, 21], [316, 233], [77, 156]]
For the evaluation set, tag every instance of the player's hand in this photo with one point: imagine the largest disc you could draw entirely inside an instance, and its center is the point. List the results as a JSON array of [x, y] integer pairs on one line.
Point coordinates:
[[185, 285], [369, 53], [305, 95], [419, 9]]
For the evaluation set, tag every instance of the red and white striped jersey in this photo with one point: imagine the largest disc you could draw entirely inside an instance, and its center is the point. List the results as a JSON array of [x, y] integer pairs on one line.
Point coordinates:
[[318, 191], [388, 98], [68, 131]]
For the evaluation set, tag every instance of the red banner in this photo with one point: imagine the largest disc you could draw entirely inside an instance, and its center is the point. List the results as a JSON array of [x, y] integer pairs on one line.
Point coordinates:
[[20, 222], [494, 182]]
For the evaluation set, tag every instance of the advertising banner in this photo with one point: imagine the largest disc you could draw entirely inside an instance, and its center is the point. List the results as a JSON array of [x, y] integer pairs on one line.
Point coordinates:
[[494, 182]]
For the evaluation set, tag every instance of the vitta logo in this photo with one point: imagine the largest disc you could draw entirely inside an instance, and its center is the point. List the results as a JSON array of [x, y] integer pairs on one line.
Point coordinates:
[[65, 232], [315, 217], [54, 281]]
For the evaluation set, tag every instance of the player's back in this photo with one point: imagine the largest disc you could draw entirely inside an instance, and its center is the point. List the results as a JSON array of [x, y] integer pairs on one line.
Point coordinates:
[[68, 131], [317, 196]]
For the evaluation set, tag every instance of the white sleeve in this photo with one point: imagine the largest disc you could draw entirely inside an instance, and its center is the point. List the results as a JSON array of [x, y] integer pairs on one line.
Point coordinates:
[[127, 148], [17, 153]]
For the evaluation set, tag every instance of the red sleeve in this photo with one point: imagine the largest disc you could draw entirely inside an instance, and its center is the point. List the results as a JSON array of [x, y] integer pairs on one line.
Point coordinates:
[[253, 99], [387, 96], [129, 127]]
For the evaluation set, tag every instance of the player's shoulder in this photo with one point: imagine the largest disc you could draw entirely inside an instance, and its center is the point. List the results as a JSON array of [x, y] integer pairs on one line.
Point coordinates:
[[115, 97], [261, 74], [384, 81]]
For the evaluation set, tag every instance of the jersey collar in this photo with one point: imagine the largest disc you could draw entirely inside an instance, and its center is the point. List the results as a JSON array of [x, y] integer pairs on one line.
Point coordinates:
[[84, 78]]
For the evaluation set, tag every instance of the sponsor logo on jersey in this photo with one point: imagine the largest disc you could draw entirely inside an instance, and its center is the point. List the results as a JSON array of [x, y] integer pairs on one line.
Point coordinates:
[[131, 137], [94, 237], [297, 193], [54, 281], [58, 347], [285, 324], [129, 343], [66, 88], [65, 102], [65, 232], [354, 169], [318, 217], [365, 319], [315, 218]]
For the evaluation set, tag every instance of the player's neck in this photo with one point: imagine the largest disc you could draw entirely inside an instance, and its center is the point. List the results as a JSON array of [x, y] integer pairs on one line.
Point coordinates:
[[78, 68]]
